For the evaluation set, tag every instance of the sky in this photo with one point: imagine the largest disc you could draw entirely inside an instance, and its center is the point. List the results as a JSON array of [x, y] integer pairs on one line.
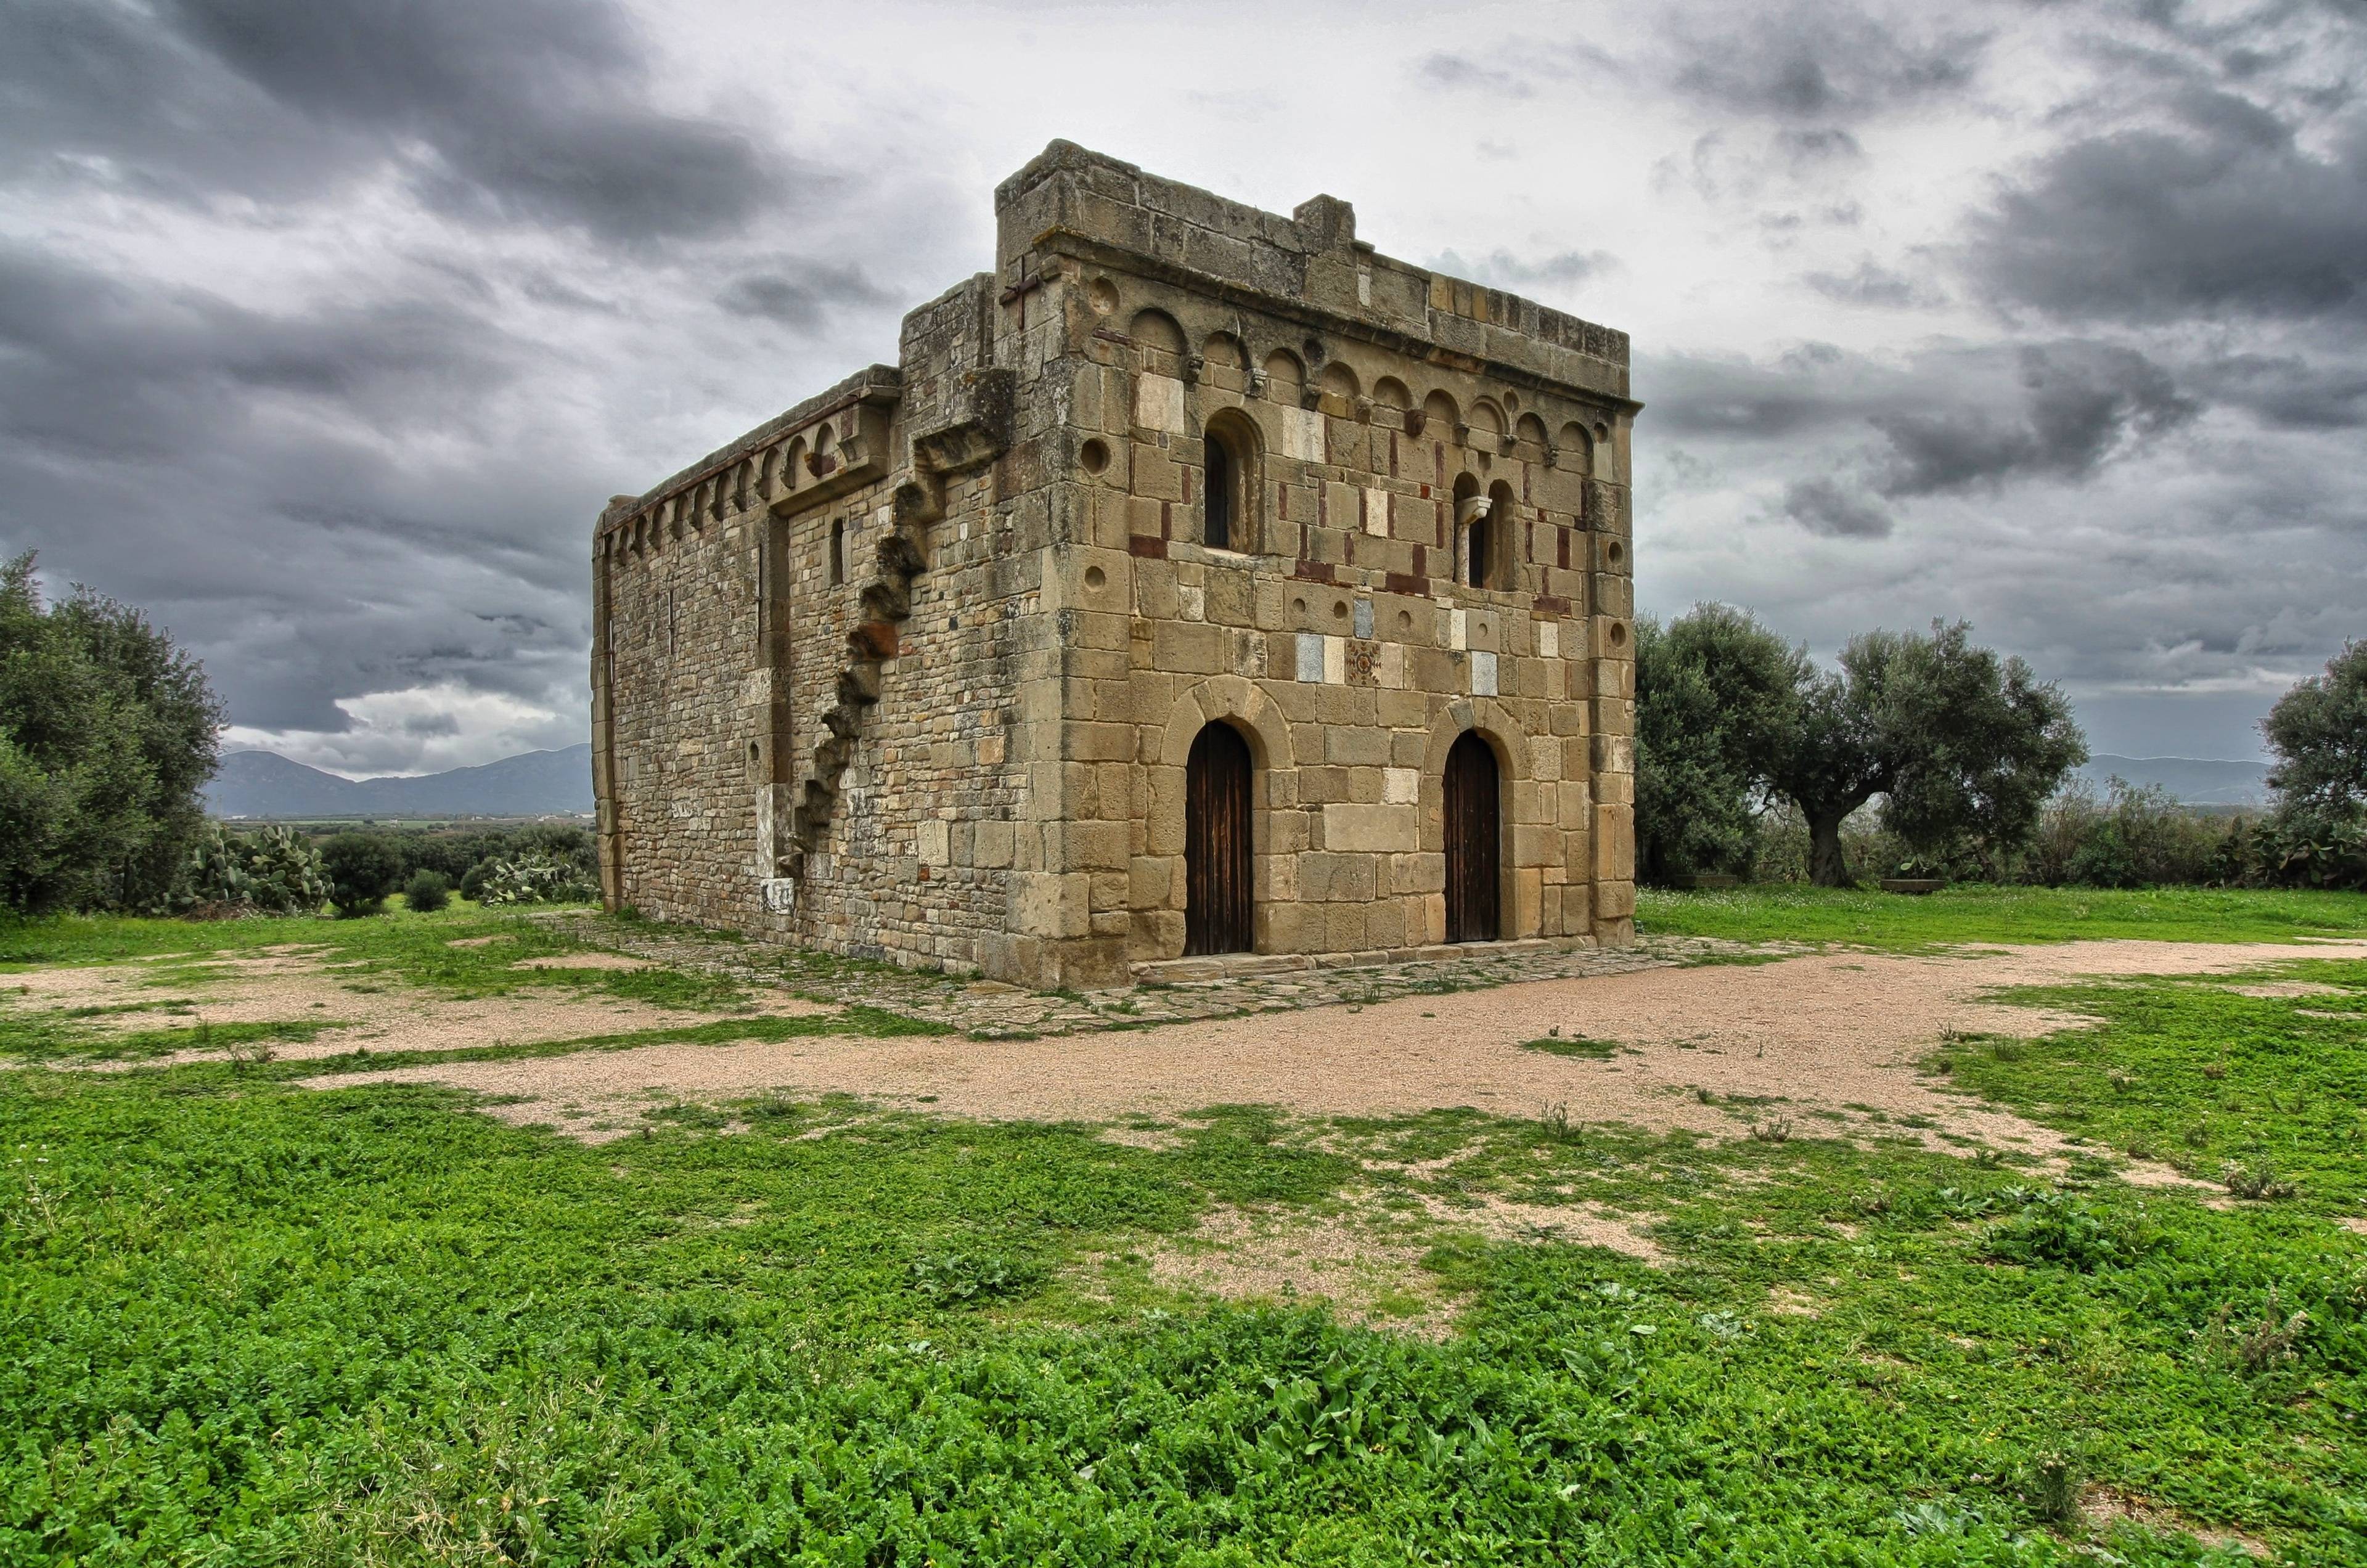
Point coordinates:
[[326, 329]]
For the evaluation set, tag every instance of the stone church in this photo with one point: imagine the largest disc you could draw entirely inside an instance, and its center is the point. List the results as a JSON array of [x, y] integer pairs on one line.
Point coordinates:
[[1200, 591]]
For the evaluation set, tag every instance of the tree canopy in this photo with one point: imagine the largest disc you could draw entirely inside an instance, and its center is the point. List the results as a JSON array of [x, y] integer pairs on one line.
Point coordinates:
[[1716, 699], [106, 732], [1964, 746], [2318, 731]]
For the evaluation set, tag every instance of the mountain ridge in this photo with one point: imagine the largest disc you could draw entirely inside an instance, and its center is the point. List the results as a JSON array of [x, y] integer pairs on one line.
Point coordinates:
[[262, 785], [2197, 781]]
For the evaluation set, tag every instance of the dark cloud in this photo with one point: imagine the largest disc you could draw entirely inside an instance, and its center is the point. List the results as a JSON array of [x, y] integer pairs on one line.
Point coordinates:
[[1948, 421], [1831, 507], [2223, 209], [1815, 61], [525, 111], [2082, 404], [799, 294], [2288, 390], [1873, 284], [110, 369]]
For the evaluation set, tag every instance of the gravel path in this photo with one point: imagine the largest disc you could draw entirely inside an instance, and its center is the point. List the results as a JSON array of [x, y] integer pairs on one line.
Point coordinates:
[[1835, 1036]]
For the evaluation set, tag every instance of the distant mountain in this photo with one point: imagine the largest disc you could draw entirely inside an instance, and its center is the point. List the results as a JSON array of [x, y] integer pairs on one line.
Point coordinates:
[[2198, 781], [535, 783]]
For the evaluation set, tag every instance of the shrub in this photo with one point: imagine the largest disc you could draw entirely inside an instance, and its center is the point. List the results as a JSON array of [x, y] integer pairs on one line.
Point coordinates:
[[363, 868], [2129, 838], [427, 891], [275, 871], [2066, 1233], [473, 881], [535, 879]]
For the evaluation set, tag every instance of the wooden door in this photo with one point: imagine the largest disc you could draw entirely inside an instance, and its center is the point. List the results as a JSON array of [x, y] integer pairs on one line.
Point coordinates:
[[1216, 865], [1471, 840]]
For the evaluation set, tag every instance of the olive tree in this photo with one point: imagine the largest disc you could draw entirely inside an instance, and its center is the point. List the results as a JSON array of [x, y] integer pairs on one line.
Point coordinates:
[[1964, 747], [1717, 695], [106, 732], [2318, 731]]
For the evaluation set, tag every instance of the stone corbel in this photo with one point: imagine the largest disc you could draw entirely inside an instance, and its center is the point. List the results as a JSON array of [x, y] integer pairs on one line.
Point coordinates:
[[858, 456], [1194, 364]]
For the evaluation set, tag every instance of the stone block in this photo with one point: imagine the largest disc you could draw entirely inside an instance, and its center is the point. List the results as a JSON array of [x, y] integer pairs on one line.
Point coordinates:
[[1051, 907], [1374, 828]]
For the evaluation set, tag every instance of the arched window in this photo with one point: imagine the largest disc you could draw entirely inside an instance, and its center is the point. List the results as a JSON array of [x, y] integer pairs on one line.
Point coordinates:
[[1501, 546], [1472, 534], [1230, 491]]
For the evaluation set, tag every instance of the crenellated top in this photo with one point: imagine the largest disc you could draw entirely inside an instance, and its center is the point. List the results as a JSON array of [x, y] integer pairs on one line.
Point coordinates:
[[1070, 197], [825, 447]]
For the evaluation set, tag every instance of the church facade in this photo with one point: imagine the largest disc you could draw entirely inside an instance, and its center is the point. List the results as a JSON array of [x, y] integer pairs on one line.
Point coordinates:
[[1200, 589]]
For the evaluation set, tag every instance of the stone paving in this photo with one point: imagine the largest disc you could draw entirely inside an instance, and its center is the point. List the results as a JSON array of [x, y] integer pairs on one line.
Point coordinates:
[[987, 1010]]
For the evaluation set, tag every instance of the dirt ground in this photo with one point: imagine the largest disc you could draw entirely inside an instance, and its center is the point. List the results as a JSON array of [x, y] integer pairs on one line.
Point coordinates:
[[1832, 1036], [291, 985]]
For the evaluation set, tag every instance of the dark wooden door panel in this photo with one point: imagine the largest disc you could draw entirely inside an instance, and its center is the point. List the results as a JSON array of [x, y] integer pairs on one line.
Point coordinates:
[[1217, 907], [1472, 837]]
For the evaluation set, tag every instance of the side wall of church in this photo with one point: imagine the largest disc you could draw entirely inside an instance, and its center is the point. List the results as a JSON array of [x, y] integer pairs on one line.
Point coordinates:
[[723, 605]]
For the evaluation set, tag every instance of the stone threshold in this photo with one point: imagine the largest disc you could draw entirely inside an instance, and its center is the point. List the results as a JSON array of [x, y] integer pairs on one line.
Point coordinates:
[[1252, 966]]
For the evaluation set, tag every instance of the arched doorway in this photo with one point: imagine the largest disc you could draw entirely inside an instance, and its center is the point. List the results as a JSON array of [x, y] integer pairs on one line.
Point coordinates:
[[1217, 849], [1472, 837]]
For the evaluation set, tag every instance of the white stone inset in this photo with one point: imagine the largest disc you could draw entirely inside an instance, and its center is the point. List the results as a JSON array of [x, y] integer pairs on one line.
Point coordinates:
[[1549, 640], [1483, 674], [1376, 511], [1310, 657], [1302, 433], [1458, 629], [1335, 661], [1400, 786], [937, 846], [1159, 403]]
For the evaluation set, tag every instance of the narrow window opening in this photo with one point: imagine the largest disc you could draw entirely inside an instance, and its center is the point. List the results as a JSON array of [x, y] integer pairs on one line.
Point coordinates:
[[838, 552], [1217, 535]]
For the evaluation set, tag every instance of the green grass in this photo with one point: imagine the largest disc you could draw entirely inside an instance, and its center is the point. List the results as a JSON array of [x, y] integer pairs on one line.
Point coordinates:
[[245, 1322], [1977, 913], [412, 949]]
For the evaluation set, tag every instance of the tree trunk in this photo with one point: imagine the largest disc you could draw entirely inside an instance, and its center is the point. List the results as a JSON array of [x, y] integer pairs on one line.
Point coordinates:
[[1826, 868]]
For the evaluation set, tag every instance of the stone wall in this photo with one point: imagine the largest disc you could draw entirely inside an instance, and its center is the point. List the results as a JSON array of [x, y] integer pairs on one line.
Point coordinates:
[[1013, 799]]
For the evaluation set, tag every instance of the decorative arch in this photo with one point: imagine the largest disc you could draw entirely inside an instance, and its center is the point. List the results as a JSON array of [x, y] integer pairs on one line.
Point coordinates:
[[1156, 330], [1237, 700], [1531, 434], [1340, 390], [1284, 377], [1391, 393], [1225, 349], [1440, 417], [1576, 448]]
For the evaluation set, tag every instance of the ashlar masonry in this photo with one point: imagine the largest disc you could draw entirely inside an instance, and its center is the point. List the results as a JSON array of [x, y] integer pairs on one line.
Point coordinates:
[[1199, 583]]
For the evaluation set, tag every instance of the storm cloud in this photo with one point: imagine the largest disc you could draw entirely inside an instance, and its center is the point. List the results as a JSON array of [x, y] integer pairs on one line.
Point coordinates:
[[326, 329]]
